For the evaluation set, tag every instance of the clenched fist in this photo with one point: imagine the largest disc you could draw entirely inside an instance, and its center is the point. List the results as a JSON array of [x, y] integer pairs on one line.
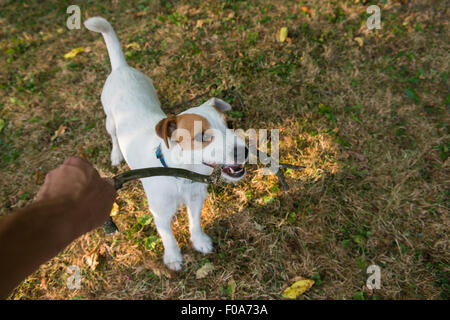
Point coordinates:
[[90, 196]]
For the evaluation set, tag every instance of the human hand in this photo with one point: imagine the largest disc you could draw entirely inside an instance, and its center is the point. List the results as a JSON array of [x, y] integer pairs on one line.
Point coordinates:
[[89, 197]]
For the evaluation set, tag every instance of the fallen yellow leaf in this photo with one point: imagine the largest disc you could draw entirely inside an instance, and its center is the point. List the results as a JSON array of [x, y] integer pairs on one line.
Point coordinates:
[[305, 9], [199, 23], [204, 271], [133, 45], [297, 289], [140, 13], [283, 34], [360, 41], [59, 132], [73, 53], [92, 261], [232, 287], [114, 210]]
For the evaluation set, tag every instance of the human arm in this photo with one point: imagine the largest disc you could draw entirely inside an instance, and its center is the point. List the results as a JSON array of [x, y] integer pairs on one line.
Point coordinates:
[[73, 200]]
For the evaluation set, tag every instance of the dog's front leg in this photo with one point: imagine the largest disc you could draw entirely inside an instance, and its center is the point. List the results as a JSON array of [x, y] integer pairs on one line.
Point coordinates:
[[172, 254], [163, 204], [163, 207], [194, 204]]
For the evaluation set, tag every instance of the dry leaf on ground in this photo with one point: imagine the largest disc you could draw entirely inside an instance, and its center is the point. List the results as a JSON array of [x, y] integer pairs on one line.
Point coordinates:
[[133, 45], [360, 41], [59, 132], [305, 9], [114, 210], [73, 53], [297, 289], [204, 271], [232, 287], [283, 34]]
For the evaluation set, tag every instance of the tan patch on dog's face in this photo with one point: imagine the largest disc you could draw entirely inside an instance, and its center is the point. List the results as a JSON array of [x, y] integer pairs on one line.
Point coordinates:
[[196, 125], [186, 129]]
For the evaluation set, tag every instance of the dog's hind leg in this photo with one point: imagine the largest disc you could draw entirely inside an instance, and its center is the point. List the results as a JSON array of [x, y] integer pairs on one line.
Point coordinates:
[[116, 154], [194, 203]]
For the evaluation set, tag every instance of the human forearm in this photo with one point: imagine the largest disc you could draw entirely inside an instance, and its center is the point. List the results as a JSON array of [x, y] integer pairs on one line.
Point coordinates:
[[73, 200], [30, 237]]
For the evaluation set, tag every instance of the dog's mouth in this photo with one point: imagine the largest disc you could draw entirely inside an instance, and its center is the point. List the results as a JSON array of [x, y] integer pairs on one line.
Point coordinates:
[[234, 171]]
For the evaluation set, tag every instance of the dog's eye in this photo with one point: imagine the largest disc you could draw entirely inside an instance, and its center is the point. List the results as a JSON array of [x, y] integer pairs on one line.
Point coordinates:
[[229, 124], [201, 137], [206, 137]]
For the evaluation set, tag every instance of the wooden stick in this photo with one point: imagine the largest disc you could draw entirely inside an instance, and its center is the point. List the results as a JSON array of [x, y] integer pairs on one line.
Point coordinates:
[[120, 179], [279, 173], [110, 227]]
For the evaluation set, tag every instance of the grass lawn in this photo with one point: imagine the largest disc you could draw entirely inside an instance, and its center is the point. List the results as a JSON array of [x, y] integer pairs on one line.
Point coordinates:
[[366, 111]]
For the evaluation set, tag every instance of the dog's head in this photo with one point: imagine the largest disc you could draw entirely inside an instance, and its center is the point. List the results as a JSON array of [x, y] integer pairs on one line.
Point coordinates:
[[200, 138]]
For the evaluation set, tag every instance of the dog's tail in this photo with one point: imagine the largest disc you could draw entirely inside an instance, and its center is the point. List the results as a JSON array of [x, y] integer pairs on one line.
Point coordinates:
[[99, 24]]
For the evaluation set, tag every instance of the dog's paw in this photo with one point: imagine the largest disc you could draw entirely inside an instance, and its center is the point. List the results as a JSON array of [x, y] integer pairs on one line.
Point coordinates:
[[116, 158], [173, 260], [202, 243]]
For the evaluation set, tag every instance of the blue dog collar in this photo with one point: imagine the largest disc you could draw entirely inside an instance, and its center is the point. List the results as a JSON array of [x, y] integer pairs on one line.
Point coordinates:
[[160, 156]]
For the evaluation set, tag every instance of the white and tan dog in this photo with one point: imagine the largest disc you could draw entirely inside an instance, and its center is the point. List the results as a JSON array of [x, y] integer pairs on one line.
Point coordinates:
[[145, 137]]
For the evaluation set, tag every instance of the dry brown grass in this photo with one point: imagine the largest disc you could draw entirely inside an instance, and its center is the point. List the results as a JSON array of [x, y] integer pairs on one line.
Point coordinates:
[[375, 190]]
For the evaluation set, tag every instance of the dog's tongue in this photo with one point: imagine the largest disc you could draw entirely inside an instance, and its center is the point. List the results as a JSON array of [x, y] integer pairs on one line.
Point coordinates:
[[234, 170]]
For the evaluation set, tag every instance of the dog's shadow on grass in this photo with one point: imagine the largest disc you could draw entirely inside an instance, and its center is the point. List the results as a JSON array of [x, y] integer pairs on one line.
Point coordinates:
[[265, 231]]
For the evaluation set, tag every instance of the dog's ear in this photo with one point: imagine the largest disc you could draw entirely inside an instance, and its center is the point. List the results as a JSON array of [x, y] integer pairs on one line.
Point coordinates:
[[165, 128], [221, 105]]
